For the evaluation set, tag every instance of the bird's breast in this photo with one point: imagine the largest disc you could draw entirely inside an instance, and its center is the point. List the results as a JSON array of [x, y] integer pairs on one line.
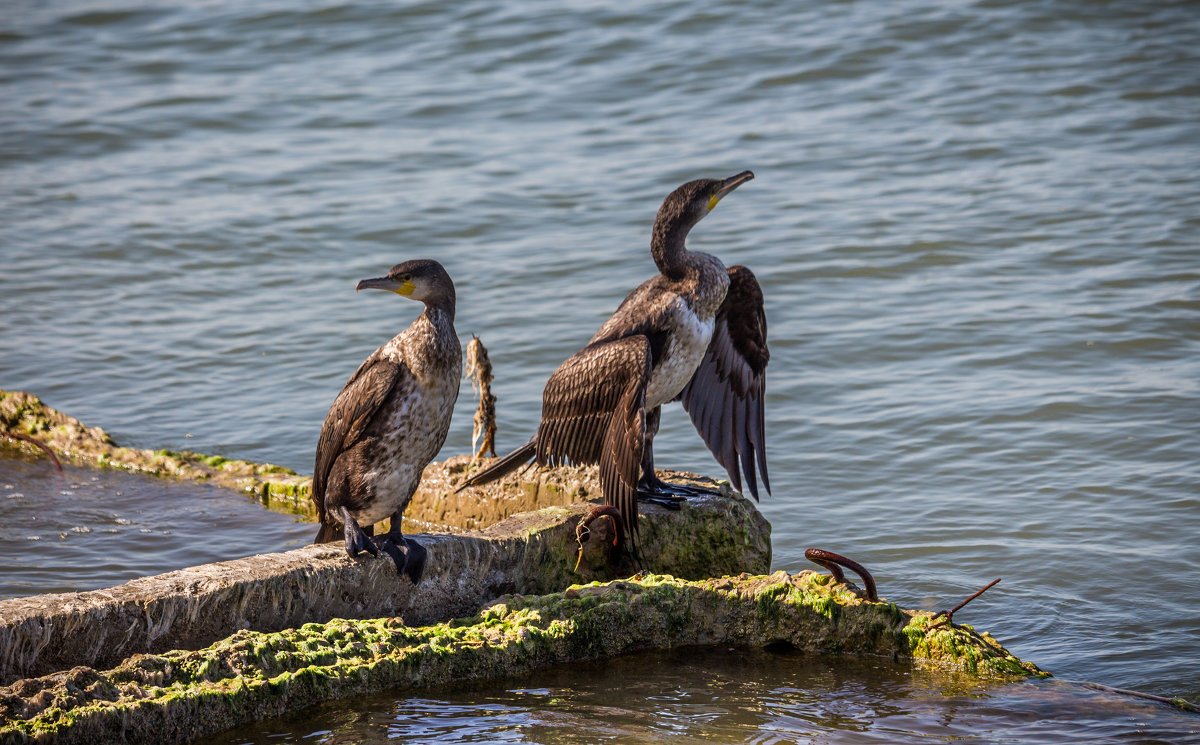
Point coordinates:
[[687, 342]]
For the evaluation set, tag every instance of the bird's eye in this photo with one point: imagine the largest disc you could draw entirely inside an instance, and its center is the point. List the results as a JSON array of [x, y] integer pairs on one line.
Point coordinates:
[[406, 278]]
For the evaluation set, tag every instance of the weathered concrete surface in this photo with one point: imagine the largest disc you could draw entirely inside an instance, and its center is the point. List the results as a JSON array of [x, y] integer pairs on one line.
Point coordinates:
[[532, 552], [183, 696]]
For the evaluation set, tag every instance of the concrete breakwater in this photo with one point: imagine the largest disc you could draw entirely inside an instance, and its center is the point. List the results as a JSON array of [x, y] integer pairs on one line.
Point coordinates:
[[529, 553], [517, 535]]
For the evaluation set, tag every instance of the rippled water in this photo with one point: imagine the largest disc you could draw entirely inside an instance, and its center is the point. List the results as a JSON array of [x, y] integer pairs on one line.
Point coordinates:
[[86, 529], [976, 224], [719, 695]]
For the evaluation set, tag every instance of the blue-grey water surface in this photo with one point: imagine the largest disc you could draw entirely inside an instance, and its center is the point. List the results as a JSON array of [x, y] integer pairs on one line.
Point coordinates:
[[86, 529], [977, 227]]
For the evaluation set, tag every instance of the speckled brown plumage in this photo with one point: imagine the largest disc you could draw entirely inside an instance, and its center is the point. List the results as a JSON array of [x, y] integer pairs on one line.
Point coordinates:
[[391, 418]]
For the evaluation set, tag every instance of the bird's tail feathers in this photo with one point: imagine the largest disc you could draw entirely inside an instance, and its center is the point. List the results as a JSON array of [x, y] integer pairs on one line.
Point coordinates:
[[327, 533], [504, 466]]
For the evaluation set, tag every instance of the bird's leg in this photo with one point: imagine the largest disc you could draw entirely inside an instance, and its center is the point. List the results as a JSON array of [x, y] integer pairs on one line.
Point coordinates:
[[650, 487], [357, 539], [408, 555]]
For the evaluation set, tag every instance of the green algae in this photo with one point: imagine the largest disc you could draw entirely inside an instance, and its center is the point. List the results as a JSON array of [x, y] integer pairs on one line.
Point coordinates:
[[184, 695], [960, 646]]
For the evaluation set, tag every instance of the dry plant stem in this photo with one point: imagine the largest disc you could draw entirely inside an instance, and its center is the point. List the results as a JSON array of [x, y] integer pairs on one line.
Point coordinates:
[[479, 370]]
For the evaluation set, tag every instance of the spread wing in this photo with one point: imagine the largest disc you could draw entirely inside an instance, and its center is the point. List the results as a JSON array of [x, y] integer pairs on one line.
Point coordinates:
[[594, 410], [349, 416], [725, 395]]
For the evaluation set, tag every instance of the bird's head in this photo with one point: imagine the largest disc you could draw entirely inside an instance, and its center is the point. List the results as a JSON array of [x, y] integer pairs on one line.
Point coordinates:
[[688, 204], [421, 279]]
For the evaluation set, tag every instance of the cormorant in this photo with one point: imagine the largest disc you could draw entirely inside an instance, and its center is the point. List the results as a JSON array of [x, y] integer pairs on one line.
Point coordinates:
[[389, 421], [695, 333]]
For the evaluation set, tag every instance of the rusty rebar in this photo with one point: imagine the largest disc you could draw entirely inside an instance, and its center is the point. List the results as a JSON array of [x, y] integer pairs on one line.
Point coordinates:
[[834, 563], [949, 614], [39, 443], [582, 529]]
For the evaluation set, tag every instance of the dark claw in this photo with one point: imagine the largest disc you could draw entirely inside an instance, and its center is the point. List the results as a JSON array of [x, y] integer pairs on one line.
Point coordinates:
[[670, 502], [417, 556], [834, 562]]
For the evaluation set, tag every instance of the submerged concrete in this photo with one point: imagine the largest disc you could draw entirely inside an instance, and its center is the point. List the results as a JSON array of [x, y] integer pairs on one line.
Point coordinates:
[[25, 414], [183, 696]]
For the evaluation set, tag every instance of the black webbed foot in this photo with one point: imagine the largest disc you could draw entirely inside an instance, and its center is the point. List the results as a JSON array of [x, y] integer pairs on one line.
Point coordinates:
[[653, 489], [408, 555], [357, 539], [670, 501]]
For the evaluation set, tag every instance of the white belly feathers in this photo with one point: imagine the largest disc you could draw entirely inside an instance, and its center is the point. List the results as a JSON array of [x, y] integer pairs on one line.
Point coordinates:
[[681, 357]]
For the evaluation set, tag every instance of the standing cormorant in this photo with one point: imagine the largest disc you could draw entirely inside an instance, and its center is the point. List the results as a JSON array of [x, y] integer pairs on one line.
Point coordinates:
[[389, 421], [695, 333]]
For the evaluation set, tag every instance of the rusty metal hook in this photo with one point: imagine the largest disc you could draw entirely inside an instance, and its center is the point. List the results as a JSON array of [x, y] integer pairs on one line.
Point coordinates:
[[583, 529]]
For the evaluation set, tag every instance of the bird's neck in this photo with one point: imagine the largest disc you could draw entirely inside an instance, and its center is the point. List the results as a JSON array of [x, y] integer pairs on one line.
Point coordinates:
[[668, 246], [429, 347], [441, 308]]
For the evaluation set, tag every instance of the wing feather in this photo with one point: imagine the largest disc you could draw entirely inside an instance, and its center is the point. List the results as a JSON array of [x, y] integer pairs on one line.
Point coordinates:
[[594, 411], [726, 395], [348, 417], [580, 397]]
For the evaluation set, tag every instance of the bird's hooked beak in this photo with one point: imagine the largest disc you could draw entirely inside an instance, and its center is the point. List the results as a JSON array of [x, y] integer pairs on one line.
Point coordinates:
[[386, 283], [727, 186]]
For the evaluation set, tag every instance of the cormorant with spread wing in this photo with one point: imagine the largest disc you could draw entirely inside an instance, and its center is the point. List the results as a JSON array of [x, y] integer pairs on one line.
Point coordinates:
[[389, 421], [694, 333]]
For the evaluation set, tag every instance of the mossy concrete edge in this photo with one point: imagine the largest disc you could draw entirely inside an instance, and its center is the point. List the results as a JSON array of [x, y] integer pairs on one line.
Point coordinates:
[[24, 414], [531, 553], [437, 505], [181, 696]]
